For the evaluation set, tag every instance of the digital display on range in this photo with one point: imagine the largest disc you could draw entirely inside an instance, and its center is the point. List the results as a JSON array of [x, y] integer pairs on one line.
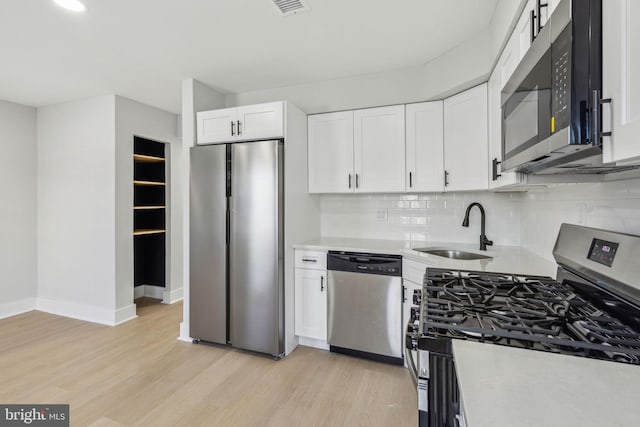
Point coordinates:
[[603, 252]]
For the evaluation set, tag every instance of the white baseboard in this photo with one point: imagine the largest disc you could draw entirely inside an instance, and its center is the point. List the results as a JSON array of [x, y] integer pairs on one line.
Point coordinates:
[[125, 314], [311, 342], [78, 311], [13, 308], [184, 333], [172, 297], [148, 291]]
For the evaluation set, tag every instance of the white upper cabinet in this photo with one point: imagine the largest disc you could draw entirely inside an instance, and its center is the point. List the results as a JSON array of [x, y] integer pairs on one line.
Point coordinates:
[[357, 151], [621, 80], [379, 149], [424, 147], [331, 153], [466, 140], [250, 122]]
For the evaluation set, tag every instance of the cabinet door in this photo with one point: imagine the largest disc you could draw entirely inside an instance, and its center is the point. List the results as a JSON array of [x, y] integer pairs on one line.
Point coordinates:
[[497, 178], [465, 140], [216, 126], [261, 121], [311, 303], [523, 29], [331, 153], [379, 149], [621, 79], [425, 150]]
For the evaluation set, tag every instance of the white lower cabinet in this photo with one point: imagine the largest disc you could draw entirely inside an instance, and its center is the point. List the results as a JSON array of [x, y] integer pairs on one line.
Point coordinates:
[[311, 300]]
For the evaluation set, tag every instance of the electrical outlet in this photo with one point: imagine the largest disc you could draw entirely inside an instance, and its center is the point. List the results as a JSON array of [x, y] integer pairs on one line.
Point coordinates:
[[381, 215]]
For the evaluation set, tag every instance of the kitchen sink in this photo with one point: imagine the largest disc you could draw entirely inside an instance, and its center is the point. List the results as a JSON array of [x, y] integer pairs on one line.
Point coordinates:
[[453, 254]]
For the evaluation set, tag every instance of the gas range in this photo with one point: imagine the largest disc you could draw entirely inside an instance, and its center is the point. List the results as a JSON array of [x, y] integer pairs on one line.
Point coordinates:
[[591, 309], [529, 312]]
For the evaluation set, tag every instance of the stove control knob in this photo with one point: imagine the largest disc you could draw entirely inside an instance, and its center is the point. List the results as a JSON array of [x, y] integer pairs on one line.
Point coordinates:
[[412, 328], [415, 314], [411, 341], [417, 296]]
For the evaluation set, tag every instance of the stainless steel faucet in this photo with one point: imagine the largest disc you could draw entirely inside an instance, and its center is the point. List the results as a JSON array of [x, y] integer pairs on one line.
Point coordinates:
[[484, 242]]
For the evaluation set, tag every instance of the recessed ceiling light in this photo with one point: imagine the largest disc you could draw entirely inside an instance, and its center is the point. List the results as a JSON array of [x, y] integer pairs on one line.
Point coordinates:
[[73, 5]]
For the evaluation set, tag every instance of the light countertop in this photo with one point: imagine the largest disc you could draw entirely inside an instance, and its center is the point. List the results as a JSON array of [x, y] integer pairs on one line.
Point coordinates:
[[506, 259], [511, 387]]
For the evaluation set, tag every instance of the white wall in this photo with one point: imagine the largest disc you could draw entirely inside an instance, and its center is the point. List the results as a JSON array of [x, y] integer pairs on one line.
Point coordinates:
[[18, 223], [612, 206], [461, 68], [135, 119], [76, 215], [434, 217]]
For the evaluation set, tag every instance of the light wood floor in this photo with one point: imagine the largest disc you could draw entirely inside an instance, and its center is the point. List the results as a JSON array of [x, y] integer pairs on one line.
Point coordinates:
[[139, 374]]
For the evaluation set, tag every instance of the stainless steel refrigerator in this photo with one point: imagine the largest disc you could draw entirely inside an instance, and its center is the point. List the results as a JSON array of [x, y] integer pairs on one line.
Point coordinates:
[[236, 251]]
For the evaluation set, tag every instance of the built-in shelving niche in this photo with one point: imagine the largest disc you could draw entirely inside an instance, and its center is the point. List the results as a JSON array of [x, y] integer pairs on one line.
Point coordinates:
[[149, 213]]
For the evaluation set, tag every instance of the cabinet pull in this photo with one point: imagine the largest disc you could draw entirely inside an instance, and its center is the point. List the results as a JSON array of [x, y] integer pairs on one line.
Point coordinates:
[[349, 180], [540, 6], [309, 260], [321, 283], [532, 24], [446, 178], [495, 174], [239, 128], [404, 294], [410, 179], [596, 118], [233, 128], [357, 183]]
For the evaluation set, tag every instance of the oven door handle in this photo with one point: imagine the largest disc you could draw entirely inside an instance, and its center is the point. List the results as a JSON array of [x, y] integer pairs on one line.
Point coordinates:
[[411, 364]]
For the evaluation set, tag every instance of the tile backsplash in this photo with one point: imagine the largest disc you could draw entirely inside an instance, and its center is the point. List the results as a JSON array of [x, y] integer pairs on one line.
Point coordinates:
[[530, 219], [424, 217], [612, 206]]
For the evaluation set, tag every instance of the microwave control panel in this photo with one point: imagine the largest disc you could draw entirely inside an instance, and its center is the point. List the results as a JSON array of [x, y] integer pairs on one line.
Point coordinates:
[[561, 81]]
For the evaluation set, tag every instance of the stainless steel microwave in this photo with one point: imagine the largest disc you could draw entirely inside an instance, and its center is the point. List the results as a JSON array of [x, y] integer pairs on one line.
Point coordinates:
[[550, 105]]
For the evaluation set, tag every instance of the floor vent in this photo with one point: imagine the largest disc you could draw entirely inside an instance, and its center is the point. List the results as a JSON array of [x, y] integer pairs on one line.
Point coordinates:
[[290, 7]]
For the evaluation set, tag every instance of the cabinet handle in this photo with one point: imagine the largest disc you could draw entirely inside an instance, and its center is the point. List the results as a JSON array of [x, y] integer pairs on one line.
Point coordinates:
[[357, 183], [239, 128], [410, 179], [495, 174], [540, 6], [309, 260], [321, 283], [532, 24], [446, 178], [596, 117], [404, 294], [349, 180], [233, 128]]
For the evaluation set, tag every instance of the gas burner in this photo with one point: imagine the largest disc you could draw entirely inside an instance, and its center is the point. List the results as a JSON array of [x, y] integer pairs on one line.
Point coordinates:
[[524, 311]]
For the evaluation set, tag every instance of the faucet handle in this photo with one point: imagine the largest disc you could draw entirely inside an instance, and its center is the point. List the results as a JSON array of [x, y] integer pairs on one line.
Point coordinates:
[[488, 242]]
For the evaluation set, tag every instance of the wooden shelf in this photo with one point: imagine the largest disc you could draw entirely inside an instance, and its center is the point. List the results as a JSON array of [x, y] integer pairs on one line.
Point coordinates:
[[147, 159], [140, 208], [146, 232], [149, 183]]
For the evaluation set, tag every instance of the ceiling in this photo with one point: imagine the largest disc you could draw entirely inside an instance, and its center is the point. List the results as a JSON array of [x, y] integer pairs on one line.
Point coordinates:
[[142, 49]]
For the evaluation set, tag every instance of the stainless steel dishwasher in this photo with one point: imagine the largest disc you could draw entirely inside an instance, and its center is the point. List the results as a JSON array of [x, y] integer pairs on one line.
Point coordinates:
[[364, 307]]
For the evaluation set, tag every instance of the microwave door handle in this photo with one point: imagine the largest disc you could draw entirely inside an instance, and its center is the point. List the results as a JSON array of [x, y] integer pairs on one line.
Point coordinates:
[[596, 118]]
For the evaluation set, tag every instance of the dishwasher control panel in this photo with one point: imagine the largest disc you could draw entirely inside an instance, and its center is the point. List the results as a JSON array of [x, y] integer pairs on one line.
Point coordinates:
[[387, 265]]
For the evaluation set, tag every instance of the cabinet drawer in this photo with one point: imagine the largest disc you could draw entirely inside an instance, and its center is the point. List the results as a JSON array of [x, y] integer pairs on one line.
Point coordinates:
[[413, 271], [315, 260]]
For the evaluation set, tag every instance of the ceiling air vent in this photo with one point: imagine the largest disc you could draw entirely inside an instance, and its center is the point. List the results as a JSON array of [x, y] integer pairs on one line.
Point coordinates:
[[290, 7]]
